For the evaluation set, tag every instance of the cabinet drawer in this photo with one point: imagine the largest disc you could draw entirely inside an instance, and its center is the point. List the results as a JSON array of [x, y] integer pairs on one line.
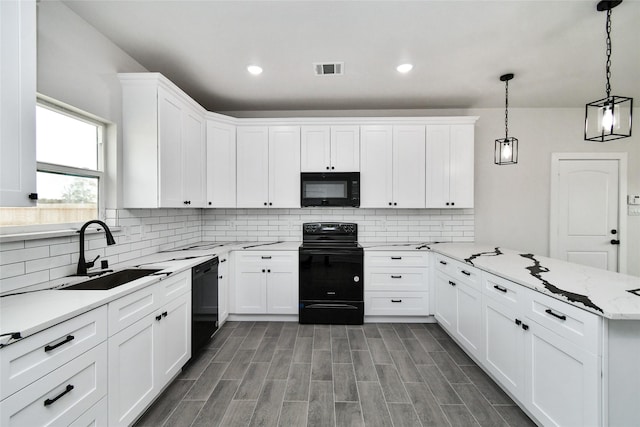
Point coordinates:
[[62, 396], [396, 279], [172, 287], [504, 291], [267, 258], [27, 360], [396, 259], [576, 325], [96, 416], [459, 270], [129, 309], [396, 303]]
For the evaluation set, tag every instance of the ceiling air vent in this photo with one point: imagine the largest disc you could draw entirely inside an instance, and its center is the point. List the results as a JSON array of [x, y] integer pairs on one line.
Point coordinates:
[[328, 68]]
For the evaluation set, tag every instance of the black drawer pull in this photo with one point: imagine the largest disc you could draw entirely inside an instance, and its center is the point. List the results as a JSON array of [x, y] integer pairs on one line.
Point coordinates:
[[159, 317], [443, 262], [525, 326], [452, 283], [66, 390], [266, 257], [164, 314], [500, 288], [396, 257], [554, 314], [518, 322], [396, 277], [465, 272], [69, 338], [396, 300], [223, 260]]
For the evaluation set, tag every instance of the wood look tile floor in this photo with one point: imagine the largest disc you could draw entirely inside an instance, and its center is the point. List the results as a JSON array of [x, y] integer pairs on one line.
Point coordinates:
[[286, 374]]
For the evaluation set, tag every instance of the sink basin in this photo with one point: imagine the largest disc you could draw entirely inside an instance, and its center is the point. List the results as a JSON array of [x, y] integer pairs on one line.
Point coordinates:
[[112, 280]]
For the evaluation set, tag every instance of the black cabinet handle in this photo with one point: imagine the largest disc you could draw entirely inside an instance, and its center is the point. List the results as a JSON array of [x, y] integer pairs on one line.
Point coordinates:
[[554, 314], [263, 270], [396, 257], [525, 326], [219, 277], [66, 390], [452, 203], [395, 204], [69, 338], [518, 322], [443, 262], [396, 277], [333, 167], [447, 203], [270, 204], [266, 257], [614, 231], [158, 317], [265, 203], [223, 260], [390, 203], [615, 242], [465, 272], [500, 288], [210, 203], [327, 167], [452, 283], [396, 300], [268, 271], [164, 314]]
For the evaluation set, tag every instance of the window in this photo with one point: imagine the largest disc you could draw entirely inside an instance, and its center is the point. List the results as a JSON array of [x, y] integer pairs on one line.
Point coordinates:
[[69, 153]]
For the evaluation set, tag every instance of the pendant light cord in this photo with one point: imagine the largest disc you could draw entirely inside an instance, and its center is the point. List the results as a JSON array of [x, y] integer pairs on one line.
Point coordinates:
[[506, 110], [608, 67]]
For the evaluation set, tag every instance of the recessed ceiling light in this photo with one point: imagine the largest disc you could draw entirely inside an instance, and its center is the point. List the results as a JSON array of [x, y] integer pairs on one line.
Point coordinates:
[[404, 68], [254, 69]]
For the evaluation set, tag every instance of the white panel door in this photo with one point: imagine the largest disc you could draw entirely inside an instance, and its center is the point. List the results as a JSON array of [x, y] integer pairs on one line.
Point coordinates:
[[170, 147], [587, 212], [315, 150], [345, 148], [376, 166], [250, 289], [446, 306], [437, 163], [409, 166], [469, 320], [284, 167], [252, 167], [18, 103], [282, 289], [174, 341], [193, 159], [221, 165], [461, 166]]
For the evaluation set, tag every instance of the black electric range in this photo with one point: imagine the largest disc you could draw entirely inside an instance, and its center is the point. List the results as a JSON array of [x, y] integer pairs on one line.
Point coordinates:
[[331, 285]]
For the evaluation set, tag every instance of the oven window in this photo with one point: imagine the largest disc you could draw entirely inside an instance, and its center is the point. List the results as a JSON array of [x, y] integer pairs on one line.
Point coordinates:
[[325, 190]]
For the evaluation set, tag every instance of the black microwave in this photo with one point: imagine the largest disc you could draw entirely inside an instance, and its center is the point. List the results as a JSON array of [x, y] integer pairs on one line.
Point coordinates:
[[330, 189]]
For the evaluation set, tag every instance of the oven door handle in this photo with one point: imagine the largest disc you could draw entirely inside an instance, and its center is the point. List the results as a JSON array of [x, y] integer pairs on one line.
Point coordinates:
[[347, 306]]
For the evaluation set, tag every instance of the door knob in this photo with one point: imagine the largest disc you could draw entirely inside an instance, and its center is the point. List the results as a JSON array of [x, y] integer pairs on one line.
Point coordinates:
[[614, 231], [615, 242]]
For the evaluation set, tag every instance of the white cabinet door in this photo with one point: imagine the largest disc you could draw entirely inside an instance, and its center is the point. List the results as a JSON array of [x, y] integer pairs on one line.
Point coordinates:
[[170, 149], [563, 380], [315, 149], [221, 165], [284, 167], [409, 166], [376, 166], [250, 289], [223, 289], [282, 288], [18, 103], [132, 371], [438, 166], [446, 301], [345, 148], [504, 339], [193, 159], [461, 185], [252, 166], [174, 338], [469, 318]]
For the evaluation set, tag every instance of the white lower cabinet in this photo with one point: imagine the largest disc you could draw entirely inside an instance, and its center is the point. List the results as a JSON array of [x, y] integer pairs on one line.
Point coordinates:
[[96, 416], [223, 288], [266, 282]]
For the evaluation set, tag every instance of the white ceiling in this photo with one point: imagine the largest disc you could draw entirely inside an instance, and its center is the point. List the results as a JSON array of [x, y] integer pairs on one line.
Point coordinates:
[[459, 49]]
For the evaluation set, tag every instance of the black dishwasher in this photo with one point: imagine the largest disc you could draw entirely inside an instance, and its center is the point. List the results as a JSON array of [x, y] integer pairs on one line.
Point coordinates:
[[204, 303]]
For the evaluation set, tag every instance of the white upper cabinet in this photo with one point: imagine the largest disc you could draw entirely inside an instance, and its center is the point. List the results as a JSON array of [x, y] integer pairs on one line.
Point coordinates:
[[449, 160], [330, 148], [164, 151], [268, 166], [221, 165], [392, 166], [18, 103]]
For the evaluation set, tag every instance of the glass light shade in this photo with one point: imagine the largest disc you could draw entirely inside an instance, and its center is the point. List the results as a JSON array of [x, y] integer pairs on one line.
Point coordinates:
[[506, 152], [608, 119]]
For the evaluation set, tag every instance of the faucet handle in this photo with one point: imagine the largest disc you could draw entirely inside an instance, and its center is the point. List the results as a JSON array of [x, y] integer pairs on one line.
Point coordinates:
[[90, 264]]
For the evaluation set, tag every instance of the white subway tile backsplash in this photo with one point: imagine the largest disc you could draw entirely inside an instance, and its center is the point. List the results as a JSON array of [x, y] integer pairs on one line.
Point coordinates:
[[18, 255]]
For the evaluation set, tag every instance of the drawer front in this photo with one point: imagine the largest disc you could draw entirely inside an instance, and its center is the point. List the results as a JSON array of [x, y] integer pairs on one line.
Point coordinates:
[[459, 270], [174, 286], [32, 358], [267, 257], [97, 416], [504, 291], [396, 303], [576, 325], [396, 259], [396, 279], [129, 309], [62, 396]]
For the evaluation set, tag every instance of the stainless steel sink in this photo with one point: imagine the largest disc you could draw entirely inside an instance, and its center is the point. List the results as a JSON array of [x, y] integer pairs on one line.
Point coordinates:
[[112, 280]]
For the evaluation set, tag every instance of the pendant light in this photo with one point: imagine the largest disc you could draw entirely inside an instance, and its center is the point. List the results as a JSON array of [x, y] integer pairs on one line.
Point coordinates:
[[608, 118], [506, 152]]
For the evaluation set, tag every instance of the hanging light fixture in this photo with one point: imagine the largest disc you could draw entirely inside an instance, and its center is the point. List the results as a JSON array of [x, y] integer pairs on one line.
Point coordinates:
[[608, 118], [506, 149]]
